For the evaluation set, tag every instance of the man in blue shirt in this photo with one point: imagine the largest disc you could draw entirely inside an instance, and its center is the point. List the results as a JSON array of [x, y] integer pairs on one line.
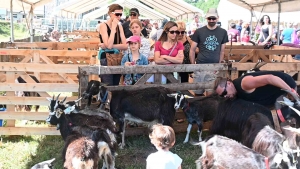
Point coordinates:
[[286, 35]]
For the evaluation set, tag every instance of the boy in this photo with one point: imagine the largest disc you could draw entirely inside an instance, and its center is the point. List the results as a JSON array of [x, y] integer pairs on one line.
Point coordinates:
[[163, 138]]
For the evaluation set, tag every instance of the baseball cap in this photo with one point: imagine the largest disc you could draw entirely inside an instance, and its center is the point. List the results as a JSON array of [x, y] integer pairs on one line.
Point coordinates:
[[212, 12], [134, 10], [134, 39]]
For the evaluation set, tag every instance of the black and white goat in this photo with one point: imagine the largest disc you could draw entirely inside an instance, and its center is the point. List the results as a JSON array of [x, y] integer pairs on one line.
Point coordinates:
[[85, 146], [67, 116], [44, 165], [26, 94], [196, 110], [146, 106], [220, 152]]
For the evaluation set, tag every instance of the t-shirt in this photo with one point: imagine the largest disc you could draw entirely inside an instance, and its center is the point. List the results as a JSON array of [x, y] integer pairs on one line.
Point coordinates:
[[163, 160], [233, 34], [209, 44], [128, 33], [264, 95], [287, 35], [163, 51]]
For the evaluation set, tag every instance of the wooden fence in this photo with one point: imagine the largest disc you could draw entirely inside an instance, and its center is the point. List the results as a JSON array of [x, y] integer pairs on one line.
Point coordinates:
[[62, 77]]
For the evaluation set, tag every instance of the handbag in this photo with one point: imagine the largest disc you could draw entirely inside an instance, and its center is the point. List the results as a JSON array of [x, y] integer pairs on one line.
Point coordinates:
[[269, 44], [173, 49], [114, 59]]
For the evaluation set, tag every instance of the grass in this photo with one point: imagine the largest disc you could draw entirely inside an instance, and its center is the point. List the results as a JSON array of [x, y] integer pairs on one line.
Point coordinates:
[[22, 152], [20, 31]]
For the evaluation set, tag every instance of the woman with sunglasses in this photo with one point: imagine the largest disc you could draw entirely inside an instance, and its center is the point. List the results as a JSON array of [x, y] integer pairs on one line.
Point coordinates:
[[186, 41], [168, 50], [262, 87], [109, 33]]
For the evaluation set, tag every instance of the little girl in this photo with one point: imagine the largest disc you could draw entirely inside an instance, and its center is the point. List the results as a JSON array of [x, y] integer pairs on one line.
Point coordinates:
[[163, 138], [134, 57]]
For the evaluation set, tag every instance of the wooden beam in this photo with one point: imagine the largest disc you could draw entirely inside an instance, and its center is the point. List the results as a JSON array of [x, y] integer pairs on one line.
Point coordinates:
[[39, 87], [29, 131], [24, 115], [13, 100], [172, 86], [69, 53], [89, 70], [178, 128], [34, 67]]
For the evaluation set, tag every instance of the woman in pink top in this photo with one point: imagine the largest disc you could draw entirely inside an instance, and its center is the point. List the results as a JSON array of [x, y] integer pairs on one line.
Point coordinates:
[[168, 50]]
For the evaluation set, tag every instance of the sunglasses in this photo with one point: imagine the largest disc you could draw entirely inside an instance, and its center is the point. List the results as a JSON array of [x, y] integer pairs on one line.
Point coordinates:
[[212, 18], [181, 32], [133, 14], [117, 14], [224, 93], [172, 32]]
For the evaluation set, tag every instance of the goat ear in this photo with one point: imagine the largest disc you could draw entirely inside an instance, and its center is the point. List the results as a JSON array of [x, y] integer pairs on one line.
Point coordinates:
[[292, 129], [172, 95], [64, 100], [49, 99], [295, 110], [187, 96]]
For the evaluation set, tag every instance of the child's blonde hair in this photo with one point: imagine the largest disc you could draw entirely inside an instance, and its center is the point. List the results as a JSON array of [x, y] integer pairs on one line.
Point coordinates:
[[162, 136]]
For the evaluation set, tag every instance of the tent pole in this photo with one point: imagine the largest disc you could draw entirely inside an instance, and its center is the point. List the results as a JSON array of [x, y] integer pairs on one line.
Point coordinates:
[[251, 26], [31, 25], [278, 22], [11, 22]]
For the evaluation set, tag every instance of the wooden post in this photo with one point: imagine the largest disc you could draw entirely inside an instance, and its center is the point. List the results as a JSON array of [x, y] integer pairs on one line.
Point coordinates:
[[83, 82], [10, 78]]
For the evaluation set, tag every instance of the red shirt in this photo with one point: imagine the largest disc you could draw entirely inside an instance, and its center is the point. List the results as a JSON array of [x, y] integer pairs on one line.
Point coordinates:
[[163, 51]]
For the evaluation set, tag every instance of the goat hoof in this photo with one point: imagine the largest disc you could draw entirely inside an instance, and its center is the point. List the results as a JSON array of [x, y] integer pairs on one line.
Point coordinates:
[[121, 146], [185, 141]]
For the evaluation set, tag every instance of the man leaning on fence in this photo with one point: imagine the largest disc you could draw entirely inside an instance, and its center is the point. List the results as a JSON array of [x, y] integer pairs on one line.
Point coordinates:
[[211, 41]]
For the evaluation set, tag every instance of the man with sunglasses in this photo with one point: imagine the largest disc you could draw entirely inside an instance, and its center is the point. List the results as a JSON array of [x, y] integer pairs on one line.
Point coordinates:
[[262, 87], [133, 14], [210, 40]]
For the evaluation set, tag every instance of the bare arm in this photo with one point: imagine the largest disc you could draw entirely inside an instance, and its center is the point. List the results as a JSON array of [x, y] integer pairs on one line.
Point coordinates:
[[260, 35], [159, 59], [177, 59], [222, 52], [179, 167], [192, 52], [249, 83]]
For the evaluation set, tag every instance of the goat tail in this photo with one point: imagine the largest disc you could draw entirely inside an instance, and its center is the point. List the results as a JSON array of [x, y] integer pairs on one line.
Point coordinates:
[[105, 152]]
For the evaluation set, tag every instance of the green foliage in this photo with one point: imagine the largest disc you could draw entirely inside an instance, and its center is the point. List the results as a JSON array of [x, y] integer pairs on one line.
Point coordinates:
[[204, 5], [207, 5], [20, 30]]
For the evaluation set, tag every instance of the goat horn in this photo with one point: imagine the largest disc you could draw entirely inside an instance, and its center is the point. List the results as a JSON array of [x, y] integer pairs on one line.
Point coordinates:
[[53, 97], [295, 96], [64, 100], [57, 96], [78, 100], [295, 110], [187, 96]]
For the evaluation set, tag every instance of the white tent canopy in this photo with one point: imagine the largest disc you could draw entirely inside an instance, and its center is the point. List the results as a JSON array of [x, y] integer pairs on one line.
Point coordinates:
[[19, 4], [144, 10], [173, 8], [269, 6]]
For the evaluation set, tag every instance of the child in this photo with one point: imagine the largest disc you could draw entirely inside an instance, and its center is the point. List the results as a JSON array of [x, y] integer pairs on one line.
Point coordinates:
[[133, 58], [163, 138]]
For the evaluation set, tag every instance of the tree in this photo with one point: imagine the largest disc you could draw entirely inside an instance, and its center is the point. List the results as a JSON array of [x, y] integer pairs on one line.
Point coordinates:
[[205, 5]]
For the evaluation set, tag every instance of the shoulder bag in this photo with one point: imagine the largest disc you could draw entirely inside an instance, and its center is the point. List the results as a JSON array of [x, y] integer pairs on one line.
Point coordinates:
[[114, 59]]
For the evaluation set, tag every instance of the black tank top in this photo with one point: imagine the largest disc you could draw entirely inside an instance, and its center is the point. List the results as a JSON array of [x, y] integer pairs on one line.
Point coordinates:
[[265, 95], [265, 34], [108, 33]]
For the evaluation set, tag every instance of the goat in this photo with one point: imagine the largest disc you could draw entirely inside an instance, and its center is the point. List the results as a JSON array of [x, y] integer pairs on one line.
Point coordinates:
[[233, 114], [67, 117], [44, 165], [196, 111], [147, 106], [27, 94], [220, 152], [85, 146]]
